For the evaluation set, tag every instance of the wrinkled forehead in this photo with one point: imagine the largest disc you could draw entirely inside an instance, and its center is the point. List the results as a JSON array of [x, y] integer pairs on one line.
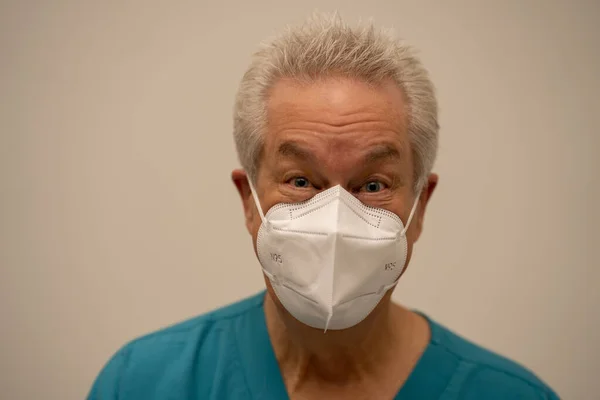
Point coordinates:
[[336, 115], [336, 101]]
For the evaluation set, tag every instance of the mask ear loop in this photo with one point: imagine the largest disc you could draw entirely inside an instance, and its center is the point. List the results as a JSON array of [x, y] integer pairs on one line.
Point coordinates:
[[256, 201], [272, 277], [411, 215]]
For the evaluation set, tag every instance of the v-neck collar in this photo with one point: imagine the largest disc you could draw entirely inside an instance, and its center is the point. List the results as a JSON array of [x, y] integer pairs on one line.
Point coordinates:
[[428, 379], [264, 378], [259, 363]]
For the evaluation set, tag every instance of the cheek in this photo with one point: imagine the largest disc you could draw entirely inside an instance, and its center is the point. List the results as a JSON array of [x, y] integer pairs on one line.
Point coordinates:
[[411, 236], [272, 293], [253, 227], [408, 256], [409, 253]]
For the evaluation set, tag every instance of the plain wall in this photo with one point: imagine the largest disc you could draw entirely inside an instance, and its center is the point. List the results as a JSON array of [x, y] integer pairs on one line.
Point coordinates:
[[118, 216]]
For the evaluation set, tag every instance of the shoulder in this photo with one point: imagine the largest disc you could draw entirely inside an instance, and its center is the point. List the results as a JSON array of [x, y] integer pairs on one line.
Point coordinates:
[[481, 373], [201, 347]]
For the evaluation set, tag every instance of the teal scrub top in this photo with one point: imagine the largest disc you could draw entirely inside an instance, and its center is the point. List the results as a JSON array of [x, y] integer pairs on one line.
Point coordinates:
[[227, 354]]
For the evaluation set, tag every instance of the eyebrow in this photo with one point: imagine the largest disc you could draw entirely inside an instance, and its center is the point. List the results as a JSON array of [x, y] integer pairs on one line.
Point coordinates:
[[291, 149], [382, 152]]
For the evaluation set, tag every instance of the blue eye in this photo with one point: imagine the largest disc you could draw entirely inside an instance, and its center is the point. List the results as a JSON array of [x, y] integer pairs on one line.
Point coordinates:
[[373, 187], [301, 182]]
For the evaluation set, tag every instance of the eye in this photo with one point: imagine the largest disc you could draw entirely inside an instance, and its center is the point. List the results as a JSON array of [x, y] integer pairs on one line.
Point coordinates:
[[373, 187], [300, 182]]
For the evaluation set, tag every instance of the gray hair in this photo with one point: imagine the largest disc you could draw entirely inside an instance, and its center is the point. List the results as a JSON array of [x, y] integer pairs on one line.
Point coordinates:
[[326, 46]]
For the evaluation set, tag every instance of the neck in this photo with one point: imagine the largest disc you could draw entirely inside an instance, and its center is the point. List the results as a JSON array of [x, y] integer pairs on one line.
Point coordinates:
[[357, 353]]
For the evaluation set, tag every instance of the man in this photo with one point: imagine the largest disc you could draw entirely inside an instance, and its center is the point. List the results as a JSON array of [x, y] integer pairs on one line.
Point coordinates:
[[336, 130]]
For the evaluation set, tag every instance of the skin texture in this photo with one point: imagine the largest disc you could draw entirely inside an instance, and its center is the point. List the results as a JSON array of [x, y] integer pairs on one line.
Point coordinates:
[[340, 131]]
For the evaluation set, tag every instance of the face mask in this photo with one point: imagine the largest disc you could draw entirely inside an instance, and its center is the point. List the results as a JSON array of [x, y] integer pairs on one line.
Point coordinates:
[[331, 259]]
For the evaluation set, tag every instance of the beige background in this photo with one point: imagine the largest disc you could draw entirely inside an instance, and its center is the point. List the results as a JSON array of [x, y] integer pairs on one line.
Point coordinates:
[[117, 215]]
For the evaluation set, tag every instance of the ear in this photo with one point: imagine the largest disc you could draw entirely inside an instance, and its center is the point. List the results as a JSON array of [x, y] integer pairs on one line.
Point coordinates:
[[240, 180], [424, 198]]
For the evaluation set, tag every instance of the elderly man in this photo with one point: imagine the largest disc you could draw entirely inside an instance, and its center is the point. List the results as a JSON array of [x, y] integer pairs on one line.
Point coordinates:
[[336, 130]]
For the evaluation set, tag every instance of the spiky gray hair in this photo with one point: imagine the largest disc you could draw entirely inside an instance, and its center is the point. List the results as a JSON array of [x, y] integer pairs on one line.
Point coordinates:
[[326, 46]]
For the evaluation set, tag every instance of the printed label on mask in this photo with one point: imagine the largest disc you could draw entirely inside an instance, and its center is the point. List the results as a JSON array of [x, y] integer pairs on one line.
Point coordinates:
[[390, 266], [277, 258]]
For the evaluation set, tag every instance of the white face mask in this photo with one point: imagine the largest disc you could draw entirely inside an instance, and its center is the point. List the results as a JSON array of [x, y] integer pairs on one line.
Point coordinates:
[[331, 259]]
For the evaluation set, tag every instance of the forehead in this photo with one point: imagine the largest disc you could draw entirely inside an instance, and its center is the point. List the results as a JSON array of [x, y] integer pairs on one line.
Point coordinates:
[[340, 113]]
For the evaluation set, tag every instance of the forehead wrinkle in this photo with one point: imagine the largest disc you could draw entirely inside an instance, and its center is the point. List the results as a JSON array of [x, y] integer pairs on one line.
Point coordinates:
[[289, 102], [328, 129], [295, 117]]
